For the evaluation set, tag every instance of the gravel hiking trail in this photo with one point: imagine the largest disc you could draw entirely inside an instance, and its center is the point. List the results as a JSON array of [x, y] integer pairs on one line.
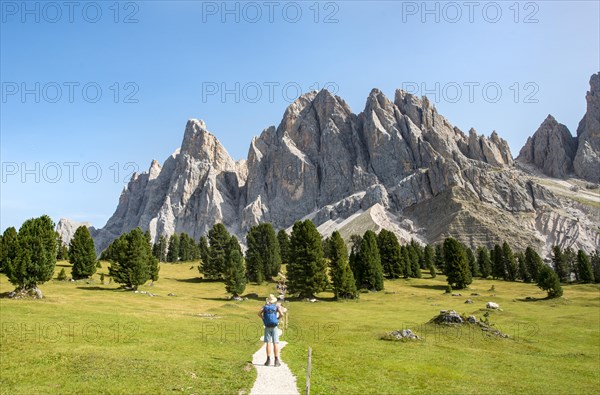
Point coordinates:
[[272, 380]]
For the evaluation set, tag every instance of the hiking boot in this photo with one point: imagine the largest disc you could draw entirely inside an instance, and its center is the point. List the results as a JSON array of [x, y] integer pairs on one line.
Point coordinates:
[[268, 361], [277, 362]]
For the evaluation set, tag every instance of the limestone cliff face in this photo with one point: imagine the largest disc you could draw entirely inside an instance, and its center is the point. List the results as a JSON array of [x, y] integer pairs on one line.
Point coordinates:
[[587, 159], [397, 163]]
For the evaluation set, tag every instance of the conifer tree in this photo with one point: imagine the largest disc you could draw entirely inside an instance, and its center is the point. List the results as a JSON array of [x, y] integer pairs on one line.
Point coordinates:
[[369, 261], [344, 285], [160, 249], [415, 266], [484, 262], [235, 275], [439, 257], [263, 257], [134, 263], [34, 252], [203, 249], [284, 245], [405, 261], [306, 269], [509, 262], [429, 257], [355, 241], [473, 265], [522, 268], [8, 247], [82, 254], [586, 274], [457, 265], [62, 249], [219, 240], [498, 268], [548, 281], [595, 262], [533, 263], [389, 251], [559, 261], [173, 253], [570, 258], [185, 247]]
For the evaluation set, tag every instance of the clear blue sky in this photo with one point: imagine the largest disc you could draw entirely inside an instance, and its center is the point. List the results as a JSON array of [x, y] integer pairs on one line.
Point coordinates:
[[164, 68]]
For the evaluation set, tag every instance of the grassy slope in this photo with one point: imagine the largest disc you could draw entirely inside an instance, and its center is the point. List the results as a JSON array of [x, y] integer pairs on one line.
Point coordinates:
[[96, 338]]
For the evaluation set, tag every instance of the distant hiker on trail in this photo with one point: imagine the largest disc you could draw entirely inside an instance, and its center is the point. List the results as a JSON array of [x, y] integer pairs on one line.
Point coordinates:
[[270, 314]]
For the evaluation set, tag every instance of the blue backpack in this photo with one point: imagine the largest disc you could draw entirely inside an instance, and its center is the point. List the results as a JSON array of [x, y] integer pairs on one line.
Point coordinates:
[[270, 315]]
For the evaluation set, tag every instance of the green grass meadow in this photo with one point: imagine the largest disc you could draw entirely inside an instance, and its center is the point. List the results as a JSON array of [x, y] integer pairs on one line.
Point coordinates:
[[88, 337]]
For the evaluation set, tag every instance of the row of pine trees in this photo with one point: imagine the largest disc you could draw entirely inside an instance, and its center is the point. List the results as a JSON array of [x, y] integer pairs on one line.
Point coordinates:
[[314, 263]]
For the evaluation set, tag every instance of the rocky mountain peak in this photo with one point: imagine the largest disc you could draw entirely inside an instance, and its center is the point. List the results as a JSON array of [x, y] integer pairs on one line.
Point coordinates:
[[551, 149], [198, 143]]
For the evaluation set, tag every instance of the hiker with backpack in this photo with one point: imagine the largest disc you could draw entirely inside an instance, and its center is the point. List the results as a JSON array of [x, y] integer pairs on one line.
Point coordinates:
[[270, 314]]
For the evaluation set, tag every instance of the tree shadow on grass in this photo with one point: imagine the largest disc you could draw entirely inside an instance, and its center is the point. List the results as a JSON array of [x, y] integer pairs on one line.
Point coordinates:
[[97, 288], [425, 286], [530, 299], [195, 280]]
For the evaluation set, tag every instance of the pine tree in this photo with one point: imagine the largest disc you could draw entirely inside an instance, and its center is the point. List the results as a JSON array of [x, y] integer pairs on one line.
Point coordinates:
[[533, 262], [369, 262], [497, 257], [203, 250], [185, 247], [571, 263], [232, 245], [484, 262], [255, 267], [62, 275], [235, 275], [405, 261], [509, 261], [523, 273], [429, 257], [62, 249], [160, 248], [418, 250], [586, 274], [82, 254], [306, 268], [473, 265], [264, 260], [439, 257], [219, 239], [344, 285], [548, 281], [595, 261], [355, 241], [134, 263], [457, 265], [389, 251], [173, 253], [35, 254], [415, 266], [284, 245], [8, 247], [559, 261]]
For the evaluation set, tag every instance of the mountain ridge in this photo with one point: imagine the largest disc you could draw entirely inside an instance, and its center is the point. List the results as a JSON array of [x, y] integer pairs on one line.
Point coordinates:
[[329, 163]]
